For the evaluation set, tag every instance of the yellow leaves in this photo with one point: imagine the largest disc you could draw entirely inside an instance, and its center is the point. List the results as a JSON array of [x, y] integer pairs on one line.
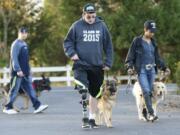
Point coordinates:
[[7, 4]]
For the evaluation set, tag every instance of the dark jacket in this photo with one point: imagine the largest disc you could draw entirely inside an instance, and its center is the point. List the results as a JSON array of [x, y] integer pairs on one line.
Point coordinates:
[[89, 42], [135, 53], [19, 58]]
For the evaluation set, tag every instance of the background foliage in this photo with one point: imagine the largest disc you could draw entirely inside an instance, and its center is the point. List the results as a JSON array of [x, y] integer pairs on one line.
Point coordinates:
[[48, 25]]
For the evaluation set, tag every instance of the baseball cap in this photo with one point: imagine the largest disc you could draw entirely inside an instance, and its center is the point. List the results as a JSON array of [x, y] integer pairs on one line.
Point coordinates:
[[23, 30], [150, 25], [89, 8]]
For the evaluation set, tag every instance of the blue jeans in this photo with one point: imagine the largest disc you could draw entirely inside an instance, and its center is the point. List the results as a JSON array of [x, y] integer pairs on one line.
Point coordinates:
[[26, 84], [146, 79]]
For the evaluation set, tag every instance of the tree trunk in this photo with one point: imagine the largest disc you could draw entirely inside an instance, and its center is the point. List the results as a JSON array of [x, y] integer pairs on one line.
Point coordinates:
[[5, 35], [6, 21]]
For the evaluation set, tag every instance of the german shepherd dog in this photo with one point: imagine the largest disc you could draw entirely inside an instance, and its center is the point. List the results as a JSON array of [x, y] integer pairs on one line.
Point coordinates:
[[38, 85], [106, 103]]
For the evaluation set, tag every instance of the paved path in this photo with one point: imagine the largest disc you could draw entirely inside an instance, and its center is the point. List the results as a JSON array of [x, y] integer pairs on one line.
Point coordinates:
[[63, 117]]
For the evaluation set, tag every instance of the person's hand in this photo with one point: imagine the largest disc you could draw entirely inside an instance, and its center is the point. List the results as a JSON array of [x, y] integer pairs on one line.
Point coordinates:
[[75, 57], [20, 74], [167, 72], [130, 71], [106, 68]]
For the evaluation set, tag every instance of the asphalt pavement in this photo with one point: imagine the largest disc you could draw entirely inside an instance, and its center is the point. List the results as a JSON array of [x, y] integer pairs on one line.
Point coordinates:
[[63, 117]]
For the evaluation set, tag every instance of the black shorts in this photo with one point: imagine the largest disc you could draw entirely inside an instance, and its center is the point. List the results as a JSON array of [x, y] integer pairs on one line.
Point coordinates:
[[90, 78]]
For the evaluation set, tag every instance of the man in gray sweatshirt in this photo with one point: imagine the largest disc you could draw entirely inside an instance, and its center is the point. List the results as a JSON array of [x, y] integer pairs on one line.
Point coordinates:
[[20, 74], [87, 40]]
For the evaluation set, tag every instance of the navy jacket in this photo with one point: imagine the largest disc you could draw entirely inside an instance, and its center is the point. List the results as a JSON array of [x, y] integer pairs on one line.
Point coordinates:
[[89, 42], [19, 58], [135, 53]]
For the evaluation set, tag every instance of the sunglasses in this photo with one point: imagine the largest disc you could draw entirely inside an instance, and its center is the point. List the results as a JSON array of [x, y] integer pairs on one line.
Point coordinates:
[[90, 17]]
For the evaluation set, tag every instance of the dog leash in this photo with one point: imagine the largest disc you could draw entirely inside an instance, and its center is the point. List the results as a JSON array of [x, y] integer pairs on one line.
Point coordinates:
[[128, 84]]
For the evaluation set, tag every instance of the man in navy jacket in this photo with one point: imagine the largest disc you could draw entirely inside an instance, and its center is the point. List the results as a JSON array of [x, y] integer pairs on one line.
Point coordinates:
[[20, 74]]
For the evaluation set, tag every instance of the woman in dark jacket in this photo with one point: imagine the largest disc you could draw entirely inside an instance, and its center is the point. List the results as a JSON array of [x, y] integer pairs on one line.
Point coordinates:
[[143, 57]]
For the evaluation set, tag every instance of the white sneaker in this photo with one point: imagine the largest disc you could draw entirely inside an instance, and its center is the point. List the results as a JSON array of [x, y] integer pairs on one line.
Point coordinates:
[[10, 111], [41, 108]]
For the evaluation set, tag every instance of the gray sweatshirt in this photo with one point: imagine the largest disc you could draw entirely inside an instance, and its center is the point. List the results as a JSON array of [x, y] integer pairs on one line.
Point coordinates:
[[89, 42], [19, 57]]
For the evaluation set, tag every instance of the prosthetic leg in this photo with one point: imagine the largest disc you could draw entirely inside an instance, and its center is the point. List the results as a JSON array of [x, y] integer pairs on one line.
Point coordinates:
[[83, 92]]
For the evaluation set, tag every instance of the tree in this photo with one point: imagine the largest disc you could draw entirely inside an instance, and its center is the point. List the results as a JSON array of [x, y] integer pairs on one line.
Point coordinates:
[[15, 13], [124, 18], [46, 42], [168, 36], [55, 21], [128, 22], [6, 11]]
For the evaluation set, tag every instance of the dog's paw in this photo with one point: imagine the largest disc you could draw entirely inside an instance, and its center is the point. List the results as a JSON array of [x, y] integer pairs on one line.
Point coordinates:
[[109, 126], [143, 119]]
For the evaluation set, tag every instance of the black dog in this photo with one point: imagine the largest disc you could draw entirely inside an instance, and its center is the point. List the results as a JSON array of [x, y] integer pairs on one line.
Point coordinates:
[[41, 85]]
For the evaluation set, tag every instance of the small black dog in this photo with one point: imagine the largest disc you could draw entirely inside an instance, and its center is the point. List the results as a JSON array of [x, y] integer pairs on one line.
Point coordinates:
[[38, 85], [41, 85]]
